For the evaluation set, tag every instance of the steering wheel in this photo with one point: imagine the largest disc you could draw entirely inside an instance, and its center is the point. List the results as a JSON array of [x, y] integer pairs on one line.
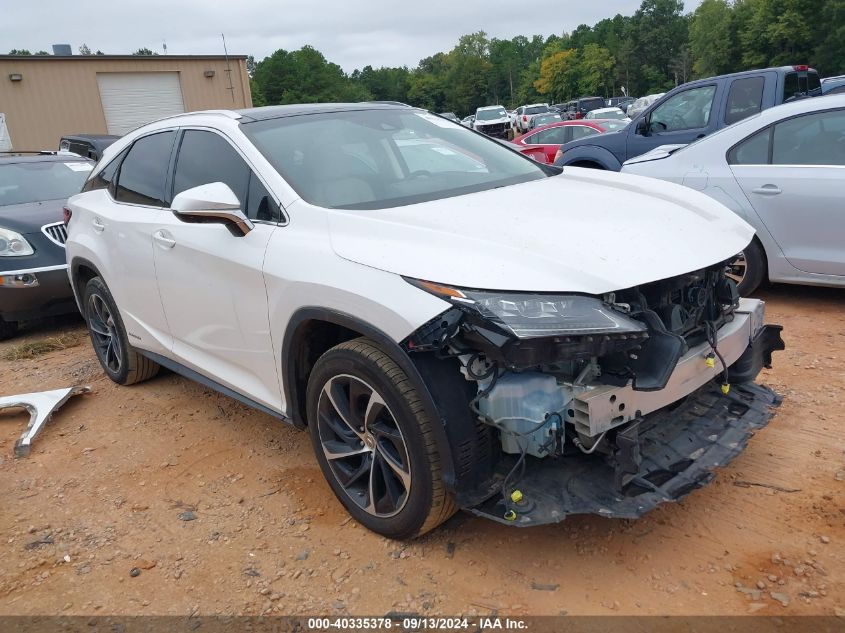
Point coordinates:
[[420, 172]]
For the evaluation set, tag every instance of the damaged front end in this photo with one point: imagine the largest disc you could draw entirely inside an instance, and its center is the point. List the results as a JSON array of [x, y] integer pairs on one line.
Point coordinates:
[[607, 405]]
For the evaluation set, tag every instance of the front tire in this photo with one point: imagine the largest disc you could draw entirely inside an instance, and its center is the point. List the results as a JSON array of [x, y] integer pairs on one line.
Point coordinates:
[[374, 442], [8, 329], [121, 362], [748, 268]]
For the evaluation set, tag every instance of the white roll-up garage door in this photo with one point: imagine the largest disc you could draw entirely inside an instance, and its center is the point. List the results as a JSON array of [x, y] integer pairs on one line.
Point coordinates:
[[134, 99]]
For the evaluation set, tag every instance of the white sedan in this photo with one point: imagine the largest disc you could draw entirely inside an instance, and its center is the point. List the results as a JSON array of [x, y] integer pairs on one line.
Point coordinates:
[[783, 171], [607, 113]]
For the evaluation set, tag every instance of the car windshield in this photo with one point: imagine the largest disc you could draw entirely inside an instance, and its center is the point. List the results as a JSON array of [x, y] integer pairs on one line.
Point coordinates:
[[25, 182], [489, 115], [536, 110], [375, 159]]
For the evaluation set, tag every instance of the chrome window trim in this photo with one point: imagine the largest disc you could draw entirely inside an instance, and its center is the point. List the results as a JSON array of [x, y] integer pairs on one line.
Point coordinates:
[[42, 269]]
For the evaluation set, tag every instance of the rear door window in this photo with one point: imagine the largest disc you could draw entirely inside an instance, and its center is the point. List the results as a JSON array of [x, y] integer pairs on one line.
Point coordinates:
[[752, 151], [144, 170], [744, 99], [582, 131], [552, 136], [811, 139]]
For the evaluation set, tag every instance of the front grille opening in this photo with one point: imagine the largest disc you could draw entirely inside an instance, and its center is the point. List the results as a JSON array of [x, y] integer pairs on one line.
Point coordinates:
[[56, 232]]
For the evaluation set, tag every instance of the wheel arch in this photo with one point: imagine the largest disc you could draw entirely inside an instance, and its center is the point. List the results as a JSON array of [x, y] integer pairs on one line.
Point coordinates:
[[312, 331], [599, 156], [81, 272]]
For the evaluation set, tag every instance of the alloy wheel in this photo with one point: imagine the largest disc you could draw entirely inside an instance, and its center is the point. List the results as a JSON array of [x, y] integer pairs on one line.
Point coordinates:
[[738, 268], [104, 333], [363, 445]]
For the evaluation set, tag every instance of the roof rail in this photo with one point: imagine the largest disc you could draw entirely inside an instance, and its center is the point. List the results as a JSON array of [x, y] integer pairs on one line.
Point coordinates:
[[227, 113]]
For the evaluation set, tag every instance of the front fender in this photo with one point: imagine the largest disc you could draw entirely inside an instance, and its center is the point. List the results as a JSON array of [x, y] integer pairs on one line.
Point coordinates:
[[590, 153]]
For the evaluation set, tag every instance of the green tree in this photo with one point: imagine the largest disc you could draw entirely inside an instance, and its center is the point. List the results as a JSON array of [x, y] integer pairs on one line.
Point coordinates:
[[303, 76], [84, 50], [595, 66], [713, 38], [19, 51], [829, 55], [144, 52], [558, 78]]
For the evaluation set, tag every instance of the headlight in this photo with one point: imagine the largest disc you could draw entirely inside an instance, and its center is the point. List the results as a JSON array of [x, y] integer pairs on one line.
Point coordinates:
[[13, 244], [532, 315]]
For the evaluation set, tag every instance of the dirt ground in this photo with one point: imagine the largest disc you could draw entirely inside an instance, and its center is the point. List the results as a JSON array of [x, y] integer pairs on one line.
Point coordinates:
[[113, 478]]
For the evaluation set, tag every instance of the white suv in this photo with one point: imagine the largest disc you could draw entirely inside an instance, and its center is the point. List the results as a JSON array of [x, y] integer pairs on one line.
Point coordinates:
[[454, 323]]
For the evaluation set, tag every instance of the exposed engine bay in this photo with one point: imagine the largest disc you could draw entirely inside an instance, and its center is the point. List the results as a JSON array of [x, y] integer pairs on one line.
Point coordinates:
[[560, 378]]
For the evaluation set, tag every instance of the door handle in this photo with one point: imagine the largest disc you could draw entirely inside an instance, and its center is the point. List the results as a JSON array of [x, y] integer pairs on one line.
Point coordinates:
[[767, 190], [98, 225], [162, 238]]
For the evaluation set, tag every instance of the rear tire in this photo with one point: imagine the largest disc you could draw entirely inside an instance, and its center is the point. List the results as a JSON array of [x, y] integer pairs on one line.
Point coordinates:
[[374, 442], [121, 362], [8, 329], [748, 269]]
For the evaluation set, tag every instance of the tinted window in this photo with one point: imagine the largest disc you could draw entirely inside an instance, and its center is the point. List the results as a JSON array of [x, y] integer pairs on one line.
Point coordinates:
[[812, 139], [36, 181], [752, 151], [744, 99], [143, 171], [260, 204], [687, 110], [104, 178], [581, 131], [799, 84], [206, 157], [591, 104]]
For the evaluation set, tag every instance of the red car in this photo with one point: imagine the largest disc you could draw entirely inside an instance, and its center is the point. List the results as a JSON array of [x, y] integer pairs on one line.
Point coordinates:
[[543, 143]]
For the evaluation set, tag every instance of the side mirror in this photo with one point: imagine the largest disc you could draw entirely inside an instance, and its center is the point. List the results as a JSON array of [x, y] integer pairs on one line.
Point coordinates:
[[214, 201], [642, 126]]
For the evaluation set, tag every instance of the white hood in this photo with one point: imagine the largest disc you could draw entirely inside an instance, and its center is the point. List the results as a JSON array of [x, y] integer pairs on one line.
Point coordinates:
[[583, 231]]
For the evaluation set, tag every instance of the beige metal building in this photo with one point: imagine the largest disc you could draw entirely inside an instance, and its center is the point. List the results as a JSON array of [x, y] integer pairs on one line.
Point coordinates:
[[43, 98]]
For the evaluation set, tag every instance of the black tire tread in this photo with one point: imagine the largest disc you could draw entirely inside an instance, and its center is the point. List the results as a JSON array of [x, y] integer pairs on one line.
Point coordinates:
[[443, 504], [139, 367], [8, 329], [755, 261]]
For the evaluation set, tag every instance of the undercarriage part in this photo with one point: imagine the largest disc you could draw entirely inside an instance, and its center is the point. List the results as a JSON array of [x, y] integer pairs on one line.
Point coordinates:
[[40, 406], [658, 459]]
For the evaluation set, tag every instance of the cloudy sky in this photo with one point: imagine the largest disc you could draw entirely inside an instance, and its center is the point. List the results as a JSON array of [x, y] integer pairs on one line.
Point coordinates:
[[351, 33]]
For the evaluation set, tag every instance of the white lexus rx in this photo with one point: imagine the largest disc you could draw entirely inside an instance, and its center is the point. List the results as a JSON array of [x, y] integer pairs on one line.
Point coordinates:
[[456, 325]]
